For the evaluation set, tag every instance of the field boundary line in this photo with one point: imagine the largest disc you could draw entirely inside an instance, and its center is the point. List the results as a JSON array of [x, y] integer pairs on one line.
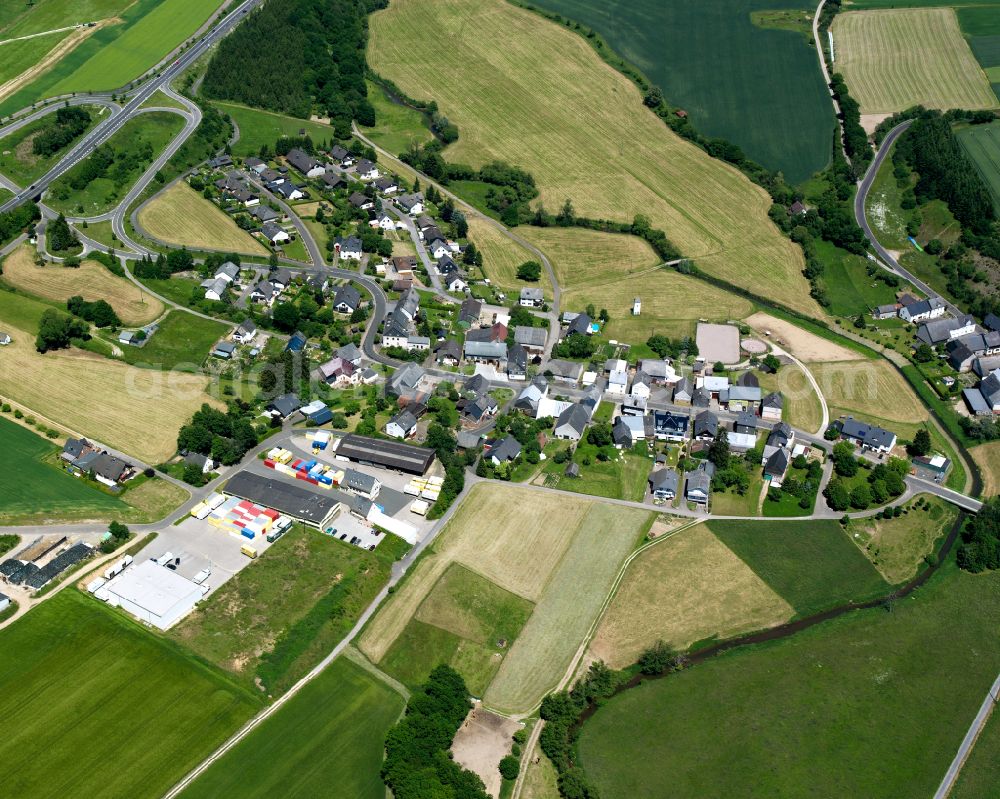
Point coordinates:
[[356, 656]]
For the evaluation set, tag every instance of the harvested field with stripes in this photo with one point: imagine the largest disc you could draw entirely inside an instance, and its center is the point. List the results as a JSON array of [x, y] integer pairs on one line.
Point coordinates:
[[524, 90], [502, 256], [896, 58], [869, 390]]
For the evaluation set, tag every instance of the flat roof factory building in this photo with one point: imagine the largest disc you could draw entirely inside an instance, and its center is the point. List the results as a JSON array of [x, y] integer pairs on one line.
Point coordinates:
[[387, 454], [301, 504], [152, 593]]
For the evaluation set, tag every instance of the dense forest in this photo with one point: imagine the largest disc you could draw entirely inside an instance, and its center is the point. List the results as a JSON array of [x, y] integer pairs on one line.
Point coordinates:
[[298, 57]]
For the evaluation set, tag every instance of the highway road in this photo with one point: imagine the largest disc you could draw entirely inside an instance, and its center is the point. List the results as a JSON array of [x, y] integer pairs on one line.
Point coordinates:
[[861, 217], [106, 129]]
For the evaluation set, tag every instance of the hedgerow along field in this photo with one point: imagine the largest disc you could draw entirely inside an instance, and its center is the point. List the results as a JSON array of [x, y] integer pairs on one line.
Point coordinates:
[[29, 487], [785, 706], [137, 411], [91, 280], [982, 144], [610, 270], [759, 88], [82, 680], [179, 215], [329, 737], [524, 90], [119, 53], [896, 58]]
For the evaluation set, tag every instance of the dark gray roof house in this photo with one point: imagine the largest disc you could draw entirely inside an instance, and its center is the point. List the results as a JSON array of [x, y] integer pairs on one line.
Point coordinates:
[[359, 200], [746, 422], [580, 324], [469, 311], [706, 425], [621, 434], [777, 464], [285, 405], [346, 299], [505, 450], [866, 435], [405, 379], [663, 483], [572, 422], [264, 213], [780, 435]]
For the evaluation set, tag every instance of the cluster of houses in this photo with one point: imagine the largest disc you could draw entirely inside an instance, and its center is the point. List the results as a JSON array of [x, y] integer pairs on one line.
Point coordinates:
[[83, 458], [984, 399], [270, 288], [345, 369], [399, 329], [225, 277]]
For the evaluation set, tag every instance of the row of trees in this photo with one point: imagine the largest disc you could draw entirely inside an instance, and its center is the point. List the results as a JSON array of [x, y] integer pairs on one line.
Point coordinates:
[[61, 129], [417, 763], [980, 547]]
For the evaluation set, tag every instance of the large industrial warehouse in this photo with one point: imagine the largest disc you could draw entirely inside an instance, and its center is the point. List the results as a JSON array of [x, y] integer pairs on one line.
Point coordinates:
[[152, 593], [301, 504], [387, 454]]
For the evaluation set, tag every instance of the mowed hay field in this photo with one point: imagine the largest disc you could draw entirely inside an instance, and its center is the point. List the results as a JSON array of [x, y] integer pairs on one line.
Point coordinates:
[[683, 589], [180, 215], [91, 280], [982, 144], [524, 90], [610, 270], [802, 408], [557, 552], [137, 411], [502, 256], [805, 346], [869, 390], [987, 456], [81, 680], [897, 58], [332, 733]]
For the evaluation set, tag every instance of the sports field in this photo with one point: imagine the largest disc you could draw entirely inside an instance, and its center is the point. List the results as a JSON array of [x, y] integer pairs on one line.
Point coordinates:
[[987, 456], [756, 87], [118, 53], [525, 90], [610, 270], [896, 58], [275, 619], [330, 734], [91, 280], [869, 390], [29, 487], [137, 411], [797, 714], [982, 144], [258, 127], [897, 546], [812, 565], [397, 127], [80, 681], [502, 256], [558, 553], [181, 216], [685, 588], [181, 341]]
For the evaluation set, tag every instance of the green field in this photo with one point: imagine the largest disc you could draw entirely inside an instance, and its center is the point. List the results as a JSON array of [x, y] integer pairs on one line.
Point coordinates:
[[116, 54], [812, 565], [140, 140], [848, 287], [980, 775], [759, 88], [182, 340], [330, 734], [397, 126], [80, 682], [982, 144], [21, 18], [293, 604], [462, 622], [257, 128], [871, 704], [16, 57], [30, 488]]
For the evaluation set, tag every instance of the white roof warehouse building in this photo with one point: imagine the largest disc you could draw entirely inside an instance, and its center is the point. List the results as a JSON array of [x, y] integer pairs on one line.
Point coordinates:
[[152, 593]]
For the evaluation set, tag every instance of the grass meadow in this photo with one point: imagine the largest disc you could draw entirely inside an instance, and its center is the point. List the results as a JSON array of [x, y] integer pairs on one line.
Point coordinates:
[[18, 56], [23, 19], [895, 58], [330, 734], [848, 286], [30, 487], [685, 588], [756, 87], [81, 681], [610, 270], [102, 194], [275, 619], [987, 457], [91, 280], [182, 340], [137, 411], [526, 91], [397, 127], [116, 54], [17, 161], [797, 712], [802, 407], [181, 216], [979, 776], [812, 565], [982, 144], [258, 127]]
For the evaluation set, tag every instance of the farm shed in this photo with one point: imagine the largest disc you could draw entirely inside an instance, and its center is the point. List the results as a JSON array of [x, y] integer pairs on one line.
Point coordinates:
[[387, 454], [152, 593]]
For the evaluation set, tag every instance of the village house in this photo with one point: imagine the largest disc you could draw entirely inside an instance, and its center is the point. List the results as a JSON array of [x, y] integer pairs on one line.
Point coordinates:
[[264, 292], [699, 483], [506, 450], [275, 234], [866, 436], [383, 222], [485, 351], [527, 401], [411, 203], [341, 155], [360, 201], [308, 165], [984, 399], [517, 362], [922, 310], [939, 331], [255, 165], [706, 426], [265, 214], [663, 484], [962, 352], [366, 170], [531, 338], [531, 297], [387, 185], [771, 406], [229, 272], [402, 425], [215, 288], [351, 353], [405, 380], [339, 372], [348, 248], [572, 423], [669, 426], [224, 350], [448, 353], [346, 299]]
